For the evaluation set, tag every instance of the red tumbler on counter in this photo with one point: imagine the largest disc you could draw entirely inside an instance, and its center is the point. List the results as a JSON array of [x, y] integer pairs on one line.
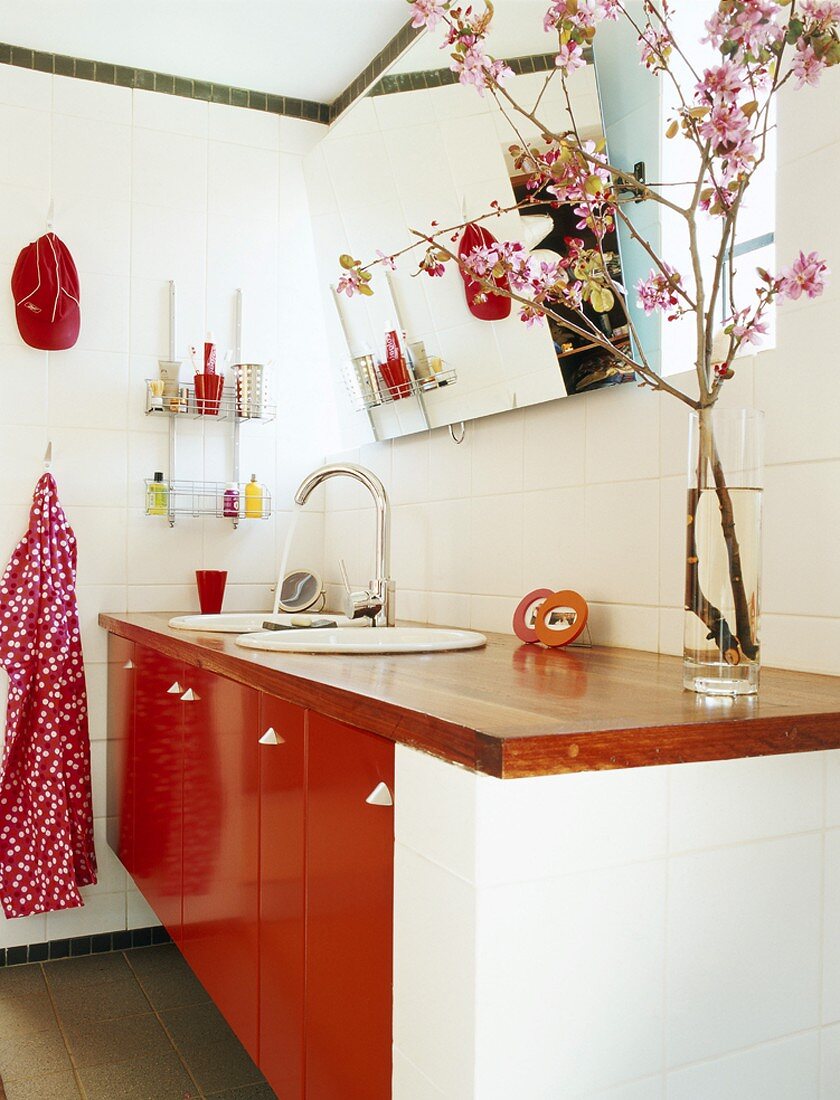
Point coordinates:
[[211, 589]]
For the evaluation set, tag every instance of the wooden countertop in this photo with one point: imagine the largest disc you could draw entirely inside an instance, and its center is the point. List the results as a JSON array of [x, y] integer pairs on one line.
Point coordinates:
[[513, 710]]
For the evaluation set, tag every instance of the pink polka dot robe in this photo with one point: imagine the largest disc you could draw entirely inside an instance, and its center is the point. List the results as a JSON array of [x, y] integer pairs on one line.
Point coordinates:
[[46, 818]]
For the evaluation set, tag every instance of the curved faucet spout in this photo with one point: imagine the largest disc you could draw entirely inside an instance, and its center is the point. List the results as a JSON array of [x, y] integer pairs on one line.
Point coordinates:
[[382, 584]]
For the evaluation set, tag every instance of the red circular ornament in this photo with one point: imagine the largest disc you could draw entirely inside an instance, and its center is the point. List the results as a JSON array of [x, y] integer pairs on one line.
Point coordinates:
[[522, 614], [552, 636]]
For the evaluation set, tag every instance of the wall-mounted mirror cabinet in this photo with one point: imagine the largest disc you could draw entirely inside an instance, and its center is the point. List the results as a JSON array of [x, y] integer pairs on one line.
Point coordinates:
[[418, 149]]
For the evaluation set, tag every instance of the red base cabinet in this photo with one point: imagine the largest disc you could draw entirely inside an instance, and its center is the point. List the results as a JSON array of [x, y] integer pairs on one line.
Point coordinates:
[[282, 896], [262, 835], [120, 749], [221, 846], [158, 759], [350, 890]]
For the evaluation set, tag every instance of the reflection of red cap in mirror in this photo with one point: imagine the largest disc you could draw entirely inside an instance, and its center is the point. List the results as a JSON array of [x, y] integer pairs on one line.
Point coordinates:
[[45, 287], [494, 307]]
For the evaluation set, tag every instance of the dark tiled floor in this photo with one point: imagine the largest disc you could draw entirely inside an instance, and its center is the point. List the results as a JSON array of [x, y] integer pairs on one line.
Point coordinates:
[[132, 1025]]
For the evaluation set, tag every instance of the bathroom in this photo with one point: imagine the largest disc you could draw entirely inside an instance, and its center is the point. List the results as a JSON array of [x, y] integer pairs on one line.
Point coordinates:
[[570, 868]]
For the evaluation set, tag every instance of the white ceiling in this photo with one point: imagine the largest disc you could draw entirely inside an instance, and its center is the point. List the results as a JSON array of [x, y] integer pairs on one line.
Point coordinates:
[[306, 48]]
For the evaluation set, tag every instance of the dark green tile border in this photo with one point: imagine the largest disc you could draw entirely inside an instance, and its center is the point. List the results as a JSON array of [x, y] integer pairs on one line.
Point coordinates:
[[436, 78], [83, 945], [103, 72], [367, 81]]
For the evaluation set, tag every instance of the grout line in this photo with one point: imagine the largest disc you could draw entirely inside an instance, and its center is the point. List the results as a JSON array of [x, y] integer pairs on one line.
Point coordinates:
[[162, 1023], [63, 1033]]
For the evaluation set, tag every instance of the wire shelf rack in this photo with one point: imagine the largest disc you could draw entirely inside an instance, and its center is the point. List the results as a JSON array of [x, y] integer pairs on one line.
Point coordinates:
[[368, 389], [230, 406], [170, 499]]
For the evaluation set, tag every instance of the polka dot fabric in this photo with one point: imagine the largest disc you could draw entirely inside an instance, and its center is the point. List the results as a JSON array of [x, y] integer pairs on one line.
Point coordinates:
[[46, 817]]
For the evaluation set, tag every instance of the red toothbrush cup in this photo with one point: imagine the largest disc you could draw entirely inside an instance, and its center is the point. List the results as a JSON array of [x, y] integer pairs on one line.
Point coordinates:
[[208, 393], [211, 589]]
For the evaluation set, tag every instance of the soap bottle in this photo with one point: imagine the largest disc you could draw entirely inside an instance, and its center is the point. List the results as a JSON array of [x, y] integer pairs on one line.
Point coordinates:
[[157, 503], [253, 499], [231, 501]]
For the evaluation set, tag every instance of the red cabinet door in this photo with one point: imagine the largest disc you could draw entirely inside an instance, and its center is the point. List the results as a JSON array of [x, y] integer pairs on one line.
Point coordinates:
[[350, 886], [221, 845], [281, 761], [158, 779], [119, 807]]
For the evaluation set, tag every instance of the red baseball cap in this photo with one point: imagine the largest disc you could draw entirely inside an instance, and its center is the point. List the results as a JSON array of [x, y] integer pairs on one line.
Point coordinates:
[[495, 307], [45, 286]]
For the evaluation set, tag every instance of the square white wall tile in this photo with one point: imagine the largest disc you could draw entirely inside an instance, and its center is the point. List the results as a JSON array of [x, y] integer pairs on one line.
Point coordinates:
[[435, 811], [409, 1083], [555, 442], [88, 99], [774, 1071], [172, 113], [529, 829], [731, 801], [621, 538], [744, 931], [434, 972], [581, 975], [830, 1063], [25, 88]]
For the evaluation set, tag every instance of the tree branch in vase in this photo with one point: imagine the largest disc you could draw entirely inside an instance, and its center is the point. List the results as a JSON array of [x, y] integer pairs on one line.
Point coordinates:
[[724, 110]]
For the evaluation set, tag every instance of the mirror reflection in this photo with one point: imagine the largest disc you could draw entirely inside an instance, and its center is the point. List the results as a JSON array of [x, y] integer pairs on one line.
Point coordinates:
[[421, 152]]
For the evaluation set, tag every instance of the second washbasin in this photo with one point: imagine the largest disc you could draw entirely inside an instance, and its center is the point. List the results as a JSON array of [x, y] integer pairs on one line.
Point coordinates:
[[380, 639]]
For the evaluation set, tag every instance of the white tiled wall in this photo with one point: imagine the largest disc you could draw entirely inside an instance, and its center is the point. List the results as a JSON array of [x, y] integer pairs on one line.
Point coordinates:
[[149, 188], [654, 934], [587, 492]]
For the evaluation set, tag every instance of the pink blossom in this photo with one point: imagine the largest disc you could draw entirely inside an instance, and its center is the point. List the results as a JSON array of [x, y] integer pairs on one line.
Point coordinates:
[[726, 79], [427, 13], [821, 11], [531, 316], [475, 67], [807, 66], [726, 124], [349, 283], [569, 58], [386, 261], [747, 329], [807, 274], [656, 46], [658, 292]]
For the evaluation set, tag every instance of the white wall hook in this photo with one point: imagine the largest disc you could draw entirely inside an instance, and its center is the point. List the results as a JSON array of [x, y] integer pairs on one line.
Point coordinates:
[[272, 737], [128, 665], [176, 689], [48, 456], [380, 796], [51, 216], [190, 696]]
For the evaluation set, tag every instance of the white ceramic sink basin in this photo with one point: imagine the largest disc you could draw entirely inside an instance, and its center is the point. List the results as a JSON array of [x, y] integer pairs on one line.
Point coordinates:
[[236, 622], [381, 639]]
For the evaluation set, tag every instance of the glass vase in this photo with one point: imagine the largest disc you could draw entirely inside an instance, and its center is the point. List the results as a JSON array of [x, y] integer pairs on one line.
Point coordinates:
[[723, 552]]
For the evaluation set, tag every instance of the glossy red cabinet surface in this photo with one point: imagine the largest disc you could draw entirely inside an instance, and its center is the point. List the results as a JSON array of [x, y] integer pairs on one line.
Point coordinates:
[[245, 822], [156, 859], [221, 845], [350, 886], [282, 895], [119, 806]]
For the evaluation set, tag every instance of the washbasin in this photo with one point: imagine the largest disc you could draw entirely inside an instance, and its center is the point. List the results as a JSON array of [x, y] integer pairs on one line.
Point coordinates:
[[380, 639], [238, 622]]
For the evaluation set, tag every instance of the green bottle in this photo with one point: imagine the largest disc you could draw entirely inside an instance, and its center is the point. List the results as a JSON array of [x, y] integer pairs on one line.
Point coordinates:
[[157, 503]]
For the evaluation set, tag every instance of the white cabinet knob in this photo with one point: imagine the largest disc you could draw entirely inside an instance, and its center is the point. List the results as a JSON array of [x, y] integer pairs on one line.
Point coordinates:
[[380, 796], [128, 665], [190, 696], [272, 737], [176, 689]]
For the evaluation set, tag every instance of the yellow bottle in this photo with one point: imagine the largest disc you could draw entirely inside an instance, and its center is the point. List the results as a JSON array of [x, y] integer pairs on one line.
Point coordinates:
[[157, 496], [254, 499]]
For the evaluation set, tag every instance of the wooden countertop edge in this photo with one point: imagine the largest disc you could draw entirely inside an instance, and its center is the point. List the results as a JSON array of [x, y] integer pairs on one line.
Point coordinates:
[[495, 755], [451, 742]]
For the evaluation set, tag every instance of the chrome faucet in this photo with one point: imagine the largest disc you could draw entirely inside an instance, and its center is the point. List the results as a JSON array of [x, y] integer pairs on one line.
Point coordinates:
[[377, 603]]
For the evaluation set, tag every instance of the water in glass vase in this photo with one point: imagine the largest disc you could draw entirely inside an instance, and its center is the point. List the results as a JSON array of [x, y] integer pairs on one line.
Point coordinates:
[[721, 645]]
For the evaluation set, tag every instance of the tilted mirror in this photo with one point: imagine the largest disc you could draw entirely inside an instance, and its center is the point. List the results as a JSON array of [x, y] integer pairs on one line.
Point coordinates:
[[421, 149]]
